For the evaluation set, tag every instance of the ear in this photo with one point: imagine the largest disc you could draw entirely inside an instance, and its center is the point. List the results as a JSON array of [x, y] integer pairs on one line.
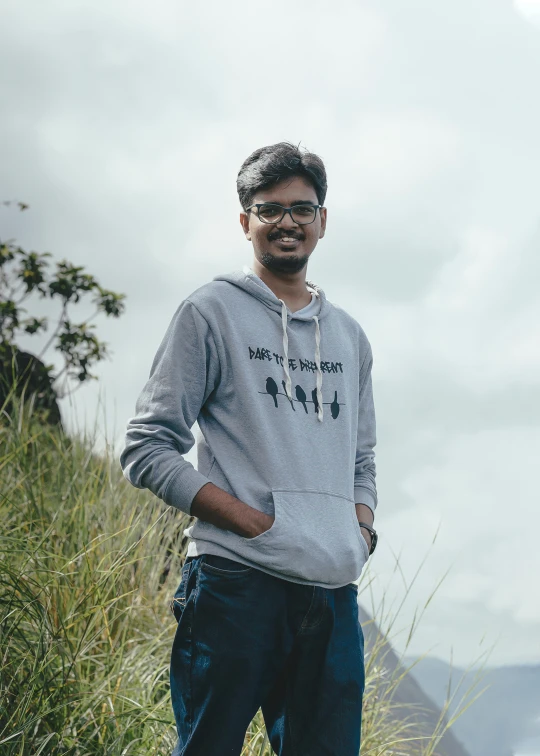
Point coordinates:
[[244, 222], [322, 211]]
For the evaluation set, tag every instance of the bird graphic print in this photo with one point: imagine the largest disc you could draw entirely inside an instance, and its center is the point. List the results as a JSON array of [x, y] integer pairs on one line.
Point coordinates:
[[300, 391], [301, 398]]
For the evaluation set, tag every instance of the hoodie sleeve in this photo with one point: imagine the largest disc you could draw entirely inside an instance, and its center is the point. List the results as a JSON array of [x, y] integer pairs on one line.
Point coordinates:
[[365, 491], [184, 372]]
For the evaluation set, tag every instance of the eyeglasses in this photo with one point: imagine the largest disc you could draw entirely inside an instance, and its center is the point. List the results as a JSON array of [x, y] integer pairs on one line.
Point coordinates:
[[268, 212]]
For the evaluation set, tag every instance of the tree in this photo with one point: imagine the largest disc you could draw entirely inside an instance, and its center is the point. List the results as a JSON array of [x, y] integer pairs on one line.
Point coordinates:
[[23, 275]]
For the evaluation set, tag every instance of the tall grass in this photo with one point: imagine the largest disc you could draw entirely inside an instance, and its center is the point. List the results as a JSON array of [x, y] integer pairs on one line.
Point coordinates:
[[88, 566]]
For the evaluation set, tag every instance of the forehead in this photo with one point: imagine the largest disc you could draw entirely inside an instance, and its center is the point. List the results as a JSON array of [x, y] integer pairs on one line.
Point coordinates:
[[287, 192]]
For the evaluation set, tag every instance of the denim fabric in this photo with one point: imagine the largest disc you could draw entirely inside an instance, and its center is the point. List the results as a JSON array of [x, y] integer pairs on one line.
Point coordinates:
[[246, 639]]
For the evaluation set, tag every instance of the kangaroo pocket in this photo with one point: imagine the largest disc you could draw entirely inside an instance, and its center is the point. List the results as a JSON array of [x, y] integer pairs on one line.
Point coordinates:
[[315, 537]]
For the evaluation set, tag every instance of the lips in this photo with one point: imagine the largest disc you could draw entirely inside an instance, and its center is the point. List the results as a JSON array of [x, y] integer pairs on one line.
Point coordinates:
[[286, 241], [277, 234]]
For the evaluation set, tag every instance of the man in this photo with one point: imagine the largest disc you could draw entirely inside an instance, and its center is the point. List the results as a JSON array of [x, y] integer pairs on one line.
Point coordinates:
[[279, 380]]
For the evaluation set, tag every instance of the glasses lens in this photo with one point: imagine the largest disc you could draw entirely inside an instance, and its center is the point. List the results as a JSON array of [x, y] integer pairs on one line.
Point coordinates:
[[269, 213], [304, 213]]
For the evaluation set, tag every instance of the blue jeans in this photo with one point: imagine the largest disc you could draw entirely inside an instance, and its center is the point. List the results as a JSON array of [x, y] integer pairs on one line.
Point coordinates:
[[247, 640]]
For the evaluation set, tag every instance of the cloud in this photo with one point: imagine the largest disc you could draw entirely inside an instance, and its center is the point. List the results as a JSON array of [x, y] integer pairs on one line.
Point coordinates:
[[476, 495], [529, 9], [125, 128]]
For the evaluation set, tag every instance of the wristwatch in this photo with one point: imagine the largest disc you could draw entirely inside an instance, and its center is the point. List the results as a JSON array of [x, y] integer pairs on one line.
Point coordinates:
[[373, 533]]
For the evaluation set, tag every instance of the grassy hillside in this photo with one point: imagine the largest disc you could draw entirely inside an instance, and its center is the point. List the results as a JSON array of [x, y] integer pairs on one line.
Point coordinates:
[[88, 566]]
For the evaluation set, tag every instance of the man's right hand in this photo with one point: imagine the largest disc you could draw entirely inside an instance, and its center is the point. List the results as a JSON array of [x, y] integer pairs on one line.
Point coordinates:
[[214, 505]]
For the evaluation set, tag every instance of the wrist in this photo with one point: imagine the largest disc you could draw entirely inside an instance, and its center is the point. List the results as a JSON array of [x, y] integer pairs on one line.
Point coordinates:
[[364, 514], [256, 523]]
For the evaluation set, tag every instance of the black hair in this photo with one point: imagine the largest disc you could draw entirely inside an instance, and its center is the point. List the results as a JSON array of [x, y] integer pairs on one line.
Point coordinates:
[[270, 165]]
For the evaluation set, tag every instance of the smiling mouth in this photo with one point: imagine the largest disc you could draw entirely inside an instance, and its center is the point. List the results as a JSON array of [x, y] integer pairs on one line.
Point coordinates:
[[286, 240]]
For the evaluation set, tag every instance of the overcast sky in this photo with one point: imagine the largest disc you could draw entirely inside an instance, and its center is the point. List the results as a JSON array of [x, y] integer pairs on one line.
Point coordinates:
[[124, 125]]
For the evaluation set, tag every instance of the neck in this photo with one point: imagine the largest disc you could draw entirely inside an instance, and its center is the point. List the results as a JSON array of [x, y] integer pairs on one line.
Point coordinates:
[[288, 284], [290, 287]]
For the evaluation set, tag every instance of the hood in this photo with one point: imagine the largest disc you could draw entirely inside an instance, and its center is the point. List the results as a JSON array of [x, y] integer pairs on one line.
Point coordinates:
[[249, 282], [246, 279]]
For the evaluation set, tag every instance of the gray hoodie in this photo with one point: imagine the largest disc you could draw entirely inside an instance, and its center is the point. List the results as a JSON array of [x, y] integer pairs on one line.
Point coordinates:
[[284, 404]]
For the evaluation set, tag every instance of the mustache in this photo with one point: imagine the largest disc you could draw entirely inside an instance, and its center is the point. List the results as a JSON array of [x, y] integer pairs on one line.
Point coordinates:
[[273, 235]]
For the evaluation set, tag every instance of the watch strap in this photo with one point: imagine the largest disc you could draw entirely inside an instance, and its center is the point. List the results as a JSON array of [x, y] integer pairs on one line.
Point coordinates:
[[373, 533]]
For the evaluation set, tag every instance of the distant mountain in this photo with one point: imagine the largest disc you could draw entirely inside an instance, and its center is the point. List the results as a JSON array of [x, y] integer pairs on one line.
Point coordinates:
[[505, 720], [409, 697]]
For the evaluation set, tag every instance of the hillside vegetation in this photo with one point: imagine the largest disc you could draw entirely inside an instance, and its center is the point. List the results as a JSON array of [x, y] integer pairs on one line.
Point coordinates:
[[88, 566]]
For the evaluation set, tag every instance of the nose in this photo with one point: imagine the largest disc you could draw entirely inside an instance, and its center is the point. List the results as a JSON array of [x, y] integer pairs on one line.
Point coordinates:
[[287, 220]]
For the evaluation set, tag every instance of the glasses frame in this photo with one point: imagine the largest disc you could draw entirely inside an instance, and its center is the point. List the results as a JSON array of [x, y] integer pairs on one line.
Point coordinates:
[[289, 210]]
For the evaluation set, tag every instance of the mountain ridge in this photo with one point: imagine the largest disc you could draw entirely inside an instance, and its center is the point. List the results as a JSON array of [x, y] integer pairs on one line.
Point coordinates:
[[504, 720]]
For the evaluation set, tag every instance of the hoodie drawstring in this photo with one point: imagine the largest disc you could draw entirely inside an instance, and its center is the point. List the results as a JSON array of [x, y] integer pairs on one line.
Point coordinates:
[[288, 384], [319, 371]]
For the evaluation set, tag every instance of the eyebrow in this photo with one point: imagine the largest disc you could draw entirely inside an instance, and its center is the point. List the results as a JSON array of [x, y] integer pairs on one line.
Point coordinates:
[[296, 202]]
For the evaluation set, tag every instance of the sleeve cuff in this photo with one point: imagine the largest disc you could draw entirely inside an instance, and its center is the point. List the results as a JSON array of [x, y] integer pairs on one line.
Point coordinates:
[[363, 496], [183, 488]]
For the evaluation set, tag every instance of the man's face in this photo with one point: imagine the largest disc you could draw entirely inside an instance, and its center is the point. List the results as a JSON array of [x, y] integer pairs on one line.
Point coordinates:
[[286, 246]]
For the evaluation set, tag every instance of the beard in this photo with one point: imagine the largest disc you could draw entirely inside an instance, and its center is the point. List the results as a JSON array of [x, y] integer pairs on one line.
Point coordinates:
[[288, 264]]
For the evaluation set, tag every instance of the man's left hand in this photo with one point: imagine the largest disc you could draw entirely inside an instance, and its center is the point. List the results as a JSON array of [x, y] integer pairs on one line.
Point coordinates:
[[364, 514], [367, 537]]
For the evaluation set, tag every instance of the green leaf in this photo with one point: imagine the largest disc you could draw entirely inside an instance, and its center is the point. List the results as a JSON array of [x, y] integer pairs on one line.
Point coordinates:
[[33, 325], [110, 303], [32, 271], [71, 282]]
